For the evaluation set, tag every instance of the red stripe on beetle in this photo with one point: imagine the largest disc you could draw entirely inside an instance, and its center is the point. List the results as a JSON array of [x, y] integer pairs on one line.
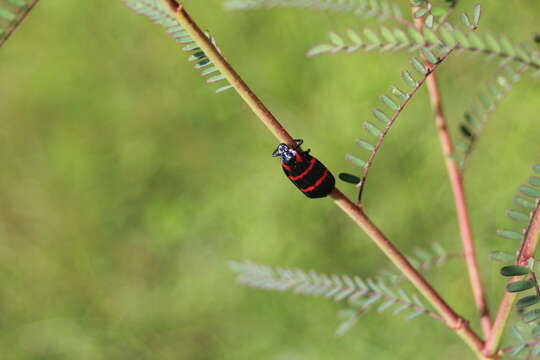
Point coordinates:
[[298, 157], [286, 167], [317, 183], [311, 164]]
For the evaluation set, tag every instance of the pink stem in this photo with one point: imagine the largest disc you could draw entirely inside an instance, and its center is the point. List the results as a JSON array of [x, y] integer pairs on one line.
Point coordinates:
[[456, 181]]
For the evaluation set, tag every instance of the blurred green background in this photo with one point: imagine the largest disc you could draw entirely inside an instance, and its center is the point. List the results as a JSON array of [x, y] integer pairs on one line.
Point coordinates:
[[127, 186]]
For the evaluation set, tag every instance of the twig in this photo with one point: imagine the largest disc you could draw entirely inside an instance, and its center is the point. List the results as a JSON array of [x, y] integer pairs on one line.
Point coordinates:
[[430, 69], [451, 318], [526, 252], [20, 19], [456, 181]]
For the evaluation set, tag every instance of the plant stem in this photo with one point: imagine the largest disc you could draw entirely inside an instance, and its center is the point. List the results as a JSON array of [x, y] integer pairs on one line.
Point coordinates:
[[20, 19], [527, 251], [452, 319], [456, 181], [230, 74]]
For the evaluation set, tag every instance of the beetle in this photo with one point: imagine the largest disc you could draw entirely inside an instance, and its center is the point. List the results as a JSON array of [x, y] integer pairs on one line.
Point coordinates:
[[309, 175]]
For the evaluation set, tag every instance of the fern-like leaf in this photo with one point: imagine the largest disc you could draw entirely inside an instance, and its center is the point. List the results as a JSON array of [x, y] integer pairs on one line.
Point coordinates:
[[528, 203], [360, 294], [393, 105], [381, 9], [479, 113], [155, 11], [446, 36], [12, 14]]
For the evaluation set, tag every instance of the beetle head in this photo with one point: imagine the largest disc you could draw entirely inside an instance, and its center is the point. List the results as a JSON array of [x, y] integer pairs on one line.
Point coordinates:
[[286, 154]]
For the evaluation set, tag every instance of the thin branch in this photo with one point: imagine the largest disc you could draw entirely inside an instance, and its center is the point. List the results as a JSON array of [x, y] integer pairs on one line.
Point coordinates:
[[526, 251], [232, 77], [456, 181], [16, 24], [451, 318], [430, 69]]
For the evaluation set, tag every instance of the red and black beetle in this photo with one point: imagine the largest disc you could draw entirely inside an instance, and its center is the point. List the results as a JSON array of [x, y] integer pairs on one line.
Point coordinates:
[[306, 172]]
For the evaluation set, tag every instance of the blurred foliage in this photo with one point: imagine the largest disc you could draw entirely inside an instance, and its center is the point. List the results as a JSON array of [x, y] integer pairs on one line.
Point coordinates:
[[127, 186]]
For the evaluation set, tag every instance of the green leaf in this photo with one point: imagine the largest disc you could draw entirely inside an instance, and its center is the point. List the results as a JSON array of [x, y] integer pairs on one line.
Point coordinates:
[[430, 56], [507, 46], [429, 21], [477, 41], [528, 301], [534, 181], [226, 87], [509, 234], [17, 3], [202, 63], [197, 56], [353, 35], [526, 203], [421, 12], [502, 256], [345, 326], [447, 34], [532, 315], [466, 131], [7, 15], [209, 71], [477, 12], [462, 39], [471, 119], [398, 93], [372, 37], [536, 349], [336, 39], [382, 116], [364, 144], [529, 191], [492, 43], [320, 49], [418, 66], [465, 20], [516, 349], [388, 35], [216, 78], [356, 161], [431, 37], [516, 333], [349, 178], [416, 35], [514, 270], [401, 36], [389, 102], [518, 216], [520, 285], [536, 330], [408, 79], [372, 129]]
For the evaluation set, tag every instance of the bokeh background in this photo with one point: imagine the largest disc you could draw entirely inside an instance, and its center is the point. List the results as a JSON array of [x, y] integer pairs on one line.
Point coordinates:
[[127, 185]]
